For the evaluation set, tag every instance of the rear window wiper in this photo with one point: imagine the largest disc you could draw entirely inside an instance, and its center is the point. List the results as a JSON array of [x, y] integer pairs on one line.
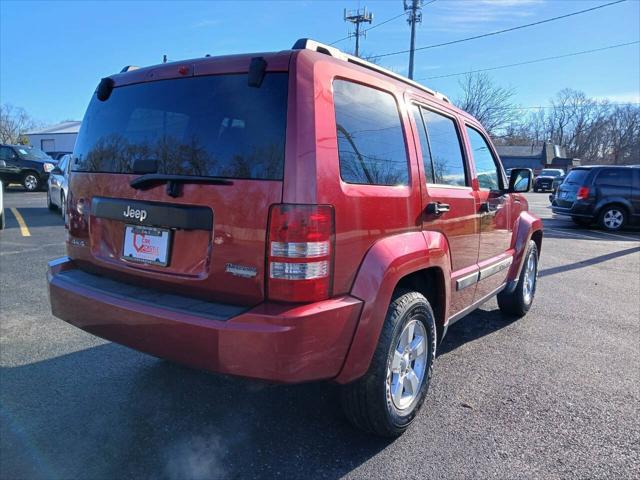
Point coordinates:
[[173, 181]]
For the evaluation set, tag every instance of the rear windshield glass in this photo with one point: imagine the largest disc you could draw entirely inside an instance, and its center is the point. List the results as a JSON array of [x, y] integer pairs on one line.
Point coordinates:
[[576, 177], [551, 173], [206, 126]]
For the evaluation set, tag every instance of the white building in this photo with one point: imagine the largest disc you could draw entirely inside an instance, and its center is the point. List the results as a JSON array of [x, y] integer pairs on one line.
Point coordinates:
[[57, 138]]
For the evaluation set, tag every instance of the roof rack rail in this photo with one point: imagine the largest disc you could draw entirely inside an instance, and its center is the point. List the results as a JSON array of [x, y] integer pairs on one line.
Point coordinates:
[[128, 68], [309, 44]]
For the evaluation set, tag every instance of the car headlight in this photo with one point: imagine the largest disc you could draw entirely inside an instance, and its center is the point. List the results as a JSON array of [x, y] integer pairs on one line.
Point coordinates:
[[48, 167]]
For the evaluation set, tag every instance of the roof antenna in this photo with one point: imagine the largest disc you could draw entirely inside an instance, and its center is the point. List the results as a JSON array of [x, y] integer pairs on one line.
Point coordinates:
[[164, 59]]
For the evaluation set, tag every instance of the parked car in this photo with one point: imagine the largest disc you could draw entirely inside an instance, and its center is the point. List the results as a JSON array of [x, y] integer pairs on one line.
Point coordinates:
[[58, 155], [557, 181], [608, 195], [57, 190], [2, 220], [28, 166], [544, 181], [316, 218]]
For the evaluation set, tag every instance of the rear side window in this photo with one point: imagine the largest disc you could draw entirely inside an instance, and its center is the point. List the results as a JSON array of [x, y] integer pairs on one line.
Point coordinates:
[[206, 126], [424, 144], [371, 142], [486, 166], [614, 177], [577, 177], [446, 151]]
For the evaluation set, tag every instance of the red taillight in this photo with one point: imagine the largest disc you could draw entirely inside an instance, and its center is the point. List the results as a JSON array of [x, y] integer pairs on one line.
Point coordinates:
[[583, 192], [300, 253]]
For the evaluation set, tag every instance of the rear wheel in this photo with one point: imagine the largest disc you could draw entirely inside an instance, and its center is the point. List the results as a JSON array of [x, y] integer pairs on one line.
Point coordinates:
[[387, 398], [518, 302], [31, 182], [613, 217]]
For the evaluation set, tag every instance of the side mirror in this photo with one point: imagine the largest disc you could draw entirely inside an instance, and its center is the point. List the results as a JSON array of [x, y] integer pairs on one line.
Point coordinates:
[[520, 180], [56, 171]]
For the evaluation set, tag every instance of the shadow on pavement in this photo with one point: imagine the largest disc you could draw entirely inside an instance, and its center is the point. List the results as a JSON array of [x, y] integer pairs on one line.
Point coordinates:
[[585, 263], [36, 217], [109, 412]]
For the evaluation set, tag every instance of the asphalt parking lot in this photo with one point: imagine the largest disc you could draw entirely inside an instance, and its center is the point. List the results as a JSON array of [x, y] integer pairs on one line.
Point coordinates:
[[553, 395]]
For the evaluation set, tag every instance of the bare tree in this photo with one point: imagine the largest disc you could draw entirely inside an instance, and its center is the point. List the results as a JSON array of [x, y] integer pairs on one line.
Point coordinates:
[[14, 123], [489, 103]]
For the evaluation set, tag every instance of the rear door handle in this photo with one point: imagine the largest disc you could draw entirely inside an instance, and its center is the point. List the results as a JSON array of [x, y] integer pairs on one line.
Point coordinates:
[[437, 208]]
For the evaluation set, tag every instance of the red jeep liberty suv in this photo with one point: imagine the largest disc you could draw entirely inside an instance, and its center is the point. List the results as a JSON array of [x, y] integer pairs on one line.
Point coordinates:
[[292, 216]]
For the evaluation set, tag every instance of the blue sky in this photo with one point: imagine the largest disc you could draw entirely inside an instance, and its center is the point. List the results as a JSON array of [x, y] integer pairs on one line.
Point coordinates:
[[52, 54]]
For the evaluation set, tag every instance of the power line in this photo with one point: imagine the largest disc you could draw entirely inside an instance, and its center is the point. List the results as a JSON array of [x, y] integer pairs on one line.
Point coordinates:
[[541, 107], [519, 27], [537, 60]]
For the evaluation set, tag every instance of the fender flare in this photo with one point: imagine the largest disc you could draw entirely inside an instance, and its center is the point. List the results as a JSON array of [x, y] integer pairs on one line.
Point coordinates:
[[609, 201], [385, 264], [524, 228]]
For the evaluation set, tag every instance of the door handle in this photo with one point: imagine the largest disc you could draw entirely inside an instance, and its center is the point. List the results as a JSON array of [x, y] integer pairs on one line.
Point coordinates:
[[437, 208]]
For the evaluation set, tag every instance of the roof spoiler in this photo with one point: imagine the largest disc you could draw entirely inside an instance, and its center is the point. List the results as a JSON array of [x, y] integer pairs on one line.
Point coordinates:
[[309, 44]]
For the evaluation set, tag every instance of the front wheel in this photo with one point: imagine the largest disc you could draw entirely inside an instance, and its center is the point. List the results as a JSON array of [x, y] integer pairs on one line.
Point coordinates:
[[30, 182], [518, 302], [387, 398], [50, 204]]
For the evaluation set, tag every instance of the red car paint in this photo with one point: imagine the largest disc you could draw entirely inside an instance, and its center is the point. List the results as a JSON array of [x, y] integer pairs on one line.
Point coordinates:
[[381, 235]]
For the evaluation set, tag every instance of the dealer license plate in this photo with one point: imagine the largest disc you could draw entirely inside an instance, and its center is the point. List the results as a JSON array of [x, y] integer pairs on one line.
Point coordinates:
[[146, 245]]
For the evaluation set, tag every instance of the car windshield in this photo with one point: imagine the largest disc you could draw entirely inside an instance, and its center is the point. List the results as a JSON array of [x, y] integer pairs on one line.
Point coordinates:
[[576, 177], [32, 153], [551, 173], [205, 126]]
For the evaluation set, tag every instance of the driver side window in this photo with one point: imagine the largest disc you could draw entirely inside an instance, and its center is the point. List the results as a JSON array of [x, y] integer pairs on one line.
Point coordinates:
[[486, 166]]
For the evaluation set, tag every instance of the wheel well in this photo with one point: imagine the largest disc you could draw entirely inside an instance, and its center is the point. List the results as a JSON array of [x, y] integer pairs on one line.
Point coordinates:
[[537, 237], [611, 204], [430, 283], [27, 172]]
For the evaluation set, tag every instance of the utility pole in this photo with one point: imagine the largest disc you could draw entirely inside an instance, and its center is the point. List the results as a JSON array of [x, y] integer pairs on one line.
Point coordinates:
[[415, 16], [357, 17]]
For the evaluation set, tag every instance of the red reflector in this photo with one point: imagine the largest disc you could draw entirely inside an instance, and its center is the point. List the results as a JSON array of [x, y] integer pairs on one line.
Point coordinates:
[[583, 192], [300, 252], [183, 70]]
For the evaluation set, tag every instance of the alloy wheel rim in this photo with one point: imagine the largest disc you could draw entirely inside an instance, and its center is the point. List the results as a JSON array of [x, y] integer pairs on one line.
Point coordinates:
[[30, 182], [530, 274], [407, 366], [613, 218]]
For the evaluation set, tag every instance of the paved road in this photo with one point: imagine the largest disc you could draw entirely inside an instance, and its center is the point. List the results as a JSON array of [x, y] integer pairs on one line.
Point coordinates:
[[554, 395]]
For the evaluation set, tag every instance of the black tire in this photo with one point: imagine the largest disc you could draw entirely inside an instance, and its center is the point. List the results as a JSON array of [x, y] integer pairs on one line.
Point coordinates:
[[535, 190], [31, 182], [50, 204], [367, 402], [63, 208], [608, 214], [583, 222], [2, 221], [517, 303]]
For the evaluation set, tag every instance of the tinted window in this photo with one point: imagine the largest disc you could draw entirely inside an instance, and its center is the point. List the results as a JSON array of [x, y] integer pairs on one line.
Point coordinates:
[[32, 153], [576, 177], [424, 144], [6, 153], [211, 126], [446, 152], [486, 167], [614, 177], [370, 137], [551, 173]]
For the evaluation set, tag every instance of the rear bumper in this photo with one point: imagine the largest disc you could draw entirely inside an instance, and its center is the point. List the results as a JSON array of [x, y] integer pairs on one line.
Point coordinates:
[[577, 210], [273, 342]]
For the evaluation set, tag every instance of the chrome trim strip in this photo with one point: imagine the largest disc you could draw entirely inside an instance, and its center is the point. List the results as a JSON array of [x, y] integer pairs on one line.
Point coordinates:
[[471, 308], [495, 268], [467, 280]]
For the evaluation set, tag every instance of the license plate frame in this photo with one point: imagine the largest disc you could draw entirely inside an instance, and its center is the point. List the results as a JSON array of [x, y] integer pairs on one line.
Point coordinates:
[[154, 251]]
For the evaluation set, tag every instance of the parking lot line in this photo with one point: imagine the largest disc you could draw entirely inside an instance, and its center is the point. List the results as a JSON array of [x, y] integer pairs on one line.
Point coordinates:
[[24, 230]]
